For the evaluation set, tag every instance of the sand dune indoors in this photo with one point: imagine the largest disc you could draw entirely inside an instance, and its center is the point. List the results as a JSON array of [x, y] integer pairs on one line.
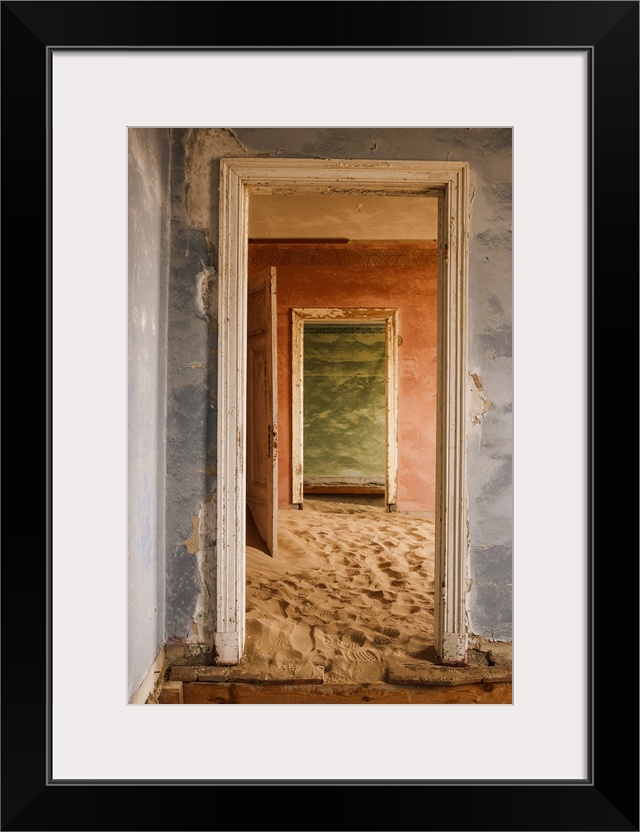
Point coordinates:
[[352, 587]]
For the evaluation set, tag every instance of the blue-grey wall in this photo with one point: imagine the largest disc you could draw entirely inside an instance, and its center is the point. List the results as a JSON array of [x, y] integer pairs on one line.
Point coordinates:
[[148, 255], [191, 370], [191, 419]]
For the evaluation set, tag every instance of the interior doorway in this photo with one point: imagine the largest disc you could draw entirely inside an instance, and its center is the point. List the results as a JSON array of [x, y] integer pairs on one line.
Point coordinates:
[[344, 402], [447, 182], [352, 593]]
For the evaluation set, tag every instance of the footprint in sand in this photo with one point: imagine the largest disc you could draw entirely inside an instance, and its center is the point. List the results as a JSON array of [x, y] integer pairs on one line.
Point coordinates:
[[389, 631], [378, 598], [301, 637], [357, 637], [378, 639], [375, 593], [393, 573], [331, 642], [364, 656]]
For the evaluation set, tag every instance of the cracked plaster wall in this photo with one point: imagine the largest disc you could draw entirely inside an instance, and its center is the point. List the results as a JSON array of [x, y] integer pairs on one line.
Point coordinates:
[[148, 265], [191, 359]]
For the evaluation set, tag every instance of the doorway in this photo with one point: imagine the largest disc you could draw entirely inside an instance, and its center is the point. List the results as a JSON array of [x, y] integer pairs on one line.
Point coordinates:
[[344, 387], [447, 181], [351, 594]]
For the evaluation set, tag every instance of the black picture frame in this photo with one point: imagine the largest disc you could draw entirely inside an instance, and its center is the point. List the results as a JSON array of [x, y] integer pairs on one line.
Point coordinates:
[[608, 799]]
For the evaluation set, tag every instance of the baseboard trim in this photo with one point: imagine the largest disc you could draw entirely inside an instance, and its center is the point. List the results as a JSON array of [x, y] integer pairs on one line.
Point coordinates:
[[149, 687]]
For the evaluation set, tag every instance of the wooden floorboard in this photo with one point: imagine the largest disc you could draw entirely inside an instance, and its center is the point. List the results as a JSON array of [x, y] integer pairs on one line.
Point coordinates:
[[343, 489], [217, 693]]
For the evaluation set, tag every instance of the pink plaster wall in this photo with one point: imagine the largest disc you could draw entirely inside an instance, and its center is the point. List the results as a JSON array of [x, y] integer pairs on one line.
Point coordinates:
[[403, 276]]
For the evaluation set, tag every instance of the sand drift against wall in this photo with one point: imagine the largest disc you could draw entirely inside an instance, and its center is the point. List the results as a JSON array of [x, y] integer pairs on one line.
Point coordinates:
[[352, 588]]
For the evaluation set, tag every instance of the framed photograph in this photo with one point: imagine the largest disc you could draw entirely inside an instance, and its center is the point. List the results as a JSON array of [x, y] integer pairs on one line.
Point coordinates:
[[561, 80]]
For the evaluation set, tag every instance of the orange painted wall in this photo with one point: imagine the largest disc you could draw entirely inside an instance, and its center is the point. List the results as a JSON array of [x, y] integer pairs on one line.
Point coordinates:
[[403, 276]]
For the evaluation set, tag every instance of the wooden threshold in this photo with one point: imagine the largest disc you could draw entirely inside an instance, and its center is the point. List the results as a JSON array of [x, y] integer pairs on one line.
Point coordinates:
[[306, 241], [405, 682], [343, 489], [235, 693]]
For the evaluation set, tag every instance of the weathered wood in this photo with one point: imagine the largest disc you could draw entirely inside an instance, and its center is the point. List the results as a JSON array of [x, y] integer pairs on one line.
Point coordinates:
[[313, 241], [212, 674], [297, 408], [230, 584], [452, 532], [367, 482], [391, 458], [184, 674], [433, 675], [202, 693], [414, 674], [171, 693], [262, 406], [344, 489]]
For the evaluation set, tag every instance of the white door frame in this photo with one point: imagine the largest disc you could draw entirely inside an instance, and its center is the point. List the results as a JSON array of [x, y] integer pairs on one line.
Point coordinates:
[[362, 315], [449, 180]]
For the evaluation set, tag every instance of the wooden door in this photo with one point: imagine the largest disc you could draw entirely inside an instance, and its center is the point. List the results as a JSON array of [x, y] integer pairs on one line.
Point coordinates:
[[262, 407]]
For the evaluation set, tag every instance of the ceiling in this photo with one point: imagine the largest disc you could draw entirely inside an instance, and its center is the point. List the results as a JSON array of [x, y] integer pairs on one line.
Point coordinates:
[[351, 216]]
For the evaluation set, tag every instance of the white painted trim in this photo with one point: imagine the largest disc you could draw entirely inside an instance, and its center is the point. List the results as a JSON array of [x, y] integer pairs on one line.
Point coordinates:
[[238, 179], [387, 316], [452, 536], [297, 409]]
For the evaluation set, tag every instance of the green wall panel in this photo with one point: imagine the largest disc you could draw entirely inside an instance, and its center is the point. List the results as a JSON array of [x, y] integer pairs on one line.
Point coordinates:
[[344, 400]]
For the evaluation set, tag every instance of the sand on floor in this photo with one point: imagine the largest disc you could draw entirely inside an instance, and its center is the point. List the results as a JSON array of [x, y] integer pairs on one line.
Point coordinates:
[[352, 587]]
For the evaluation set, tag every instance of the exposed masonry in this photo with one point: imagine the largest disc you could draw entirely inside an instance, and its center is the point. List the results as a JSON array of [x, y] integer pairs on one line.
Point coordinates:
[[490, 653], [203, 543], [206, 297], [479, 406], [204, 146]]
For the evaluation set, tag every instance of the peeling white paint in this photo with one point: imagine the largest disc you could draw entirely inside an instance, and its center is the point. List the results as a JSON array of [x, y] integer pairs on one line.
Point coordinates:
[[204, 616], [204, 296], [479, 406]]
